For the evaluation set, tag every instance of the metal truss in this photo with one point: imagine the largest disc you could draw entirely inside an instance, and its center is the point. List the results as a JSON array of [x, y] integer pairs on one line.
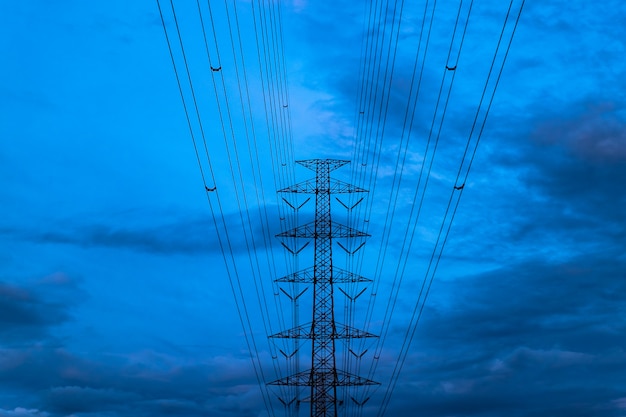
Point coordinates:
[[323, 331]]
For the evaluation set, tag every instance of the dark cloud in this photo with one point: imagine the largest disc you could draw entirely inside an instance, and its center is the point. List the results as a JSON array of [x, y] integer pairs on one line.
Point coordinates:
[[544, 210], [27, 312], [578, 159], [144, 383], [546, 187], [185, 237], [555, 329], [72, 399], [42, 377], [538, 299], [193, 235]]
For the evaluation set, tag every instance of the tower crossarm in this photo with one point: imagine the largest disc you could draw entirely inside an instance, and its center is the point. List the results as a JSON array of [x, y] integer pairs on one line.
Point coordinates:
[[305, 331], [340, 378], [339, 276], [333, 186], [330, 164], [310, 231]]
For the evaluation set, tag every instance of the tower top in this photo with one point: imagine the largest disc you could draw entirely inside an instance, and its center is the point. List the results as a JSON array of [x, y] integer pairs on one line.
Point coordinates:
[[331, 164]]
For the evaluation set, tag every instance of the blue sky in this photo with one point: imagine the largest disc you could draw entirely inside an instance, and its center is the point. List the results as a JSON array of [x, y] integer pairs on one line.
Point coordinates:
[[114, 294]]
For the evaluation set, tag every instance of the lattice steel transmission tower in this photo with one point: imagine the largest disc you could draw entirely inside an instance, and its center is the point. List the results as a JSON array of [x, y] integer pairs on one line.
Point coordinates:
[[324, 378]]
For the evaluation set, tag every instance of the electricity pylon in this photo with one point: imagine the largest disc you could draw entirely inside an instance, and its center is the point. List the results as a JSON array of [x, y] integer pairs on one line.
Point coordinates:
[[323, 331]]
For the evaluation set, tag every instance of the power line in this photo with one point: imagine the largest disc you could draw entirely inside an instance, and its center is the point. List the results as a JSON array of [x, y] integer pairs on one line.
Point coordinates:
[[378, 62], [429, 276]]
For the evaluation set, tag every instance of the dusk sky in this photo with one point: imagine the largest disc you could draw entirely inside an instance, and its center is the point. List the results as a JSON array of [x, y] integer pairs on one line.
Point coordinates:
[[123, 280]]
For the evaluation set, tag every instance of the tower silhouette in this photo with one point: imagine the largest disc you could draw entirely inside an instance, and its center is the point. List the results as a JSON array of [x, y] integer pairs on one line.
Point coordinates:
[[323, 377]]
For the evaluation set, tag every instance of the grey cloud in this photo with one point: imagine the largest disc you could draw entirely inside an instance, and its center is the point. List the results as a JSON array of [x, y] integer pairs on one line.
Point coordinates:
[[540, 301], [192, 235], [555, 329], [142, 384], [546, 188], [28, 311], [72, 399]]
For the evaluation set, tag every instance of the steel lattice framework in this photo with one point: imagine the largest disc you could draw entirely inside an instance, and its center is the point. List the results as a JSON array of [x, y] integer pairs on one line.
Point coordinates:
[[323, 331]]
